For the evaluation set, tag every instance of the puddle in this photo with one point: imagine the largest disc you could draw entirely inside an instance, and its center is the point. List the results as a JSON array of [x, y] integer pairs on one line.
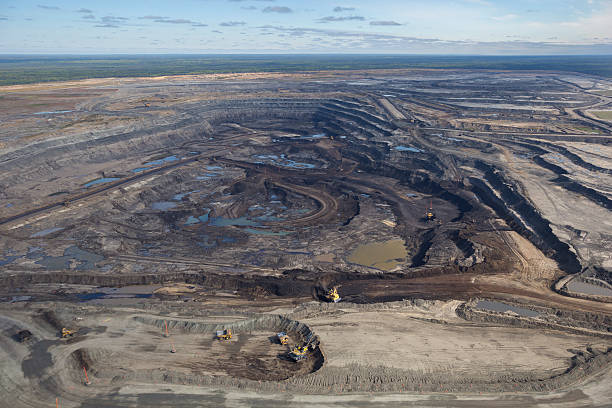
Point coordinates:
[[228, 222], [100, 181], [8, 260], [45, 232], [124, 295], [196, 220], [411, 195], [408, 149], [503, 307], [140, 169], [588, 288], [282, 161], [315, 136], [214, 168], [161, 161], [84, 260], [52, 112], [163, 205], [380, 255], [179, 197]]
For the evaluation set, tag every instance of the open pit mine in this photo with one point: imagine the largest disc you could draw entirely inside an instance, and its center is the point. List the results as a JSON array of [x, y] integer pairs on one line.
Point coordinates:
[[398, 238]]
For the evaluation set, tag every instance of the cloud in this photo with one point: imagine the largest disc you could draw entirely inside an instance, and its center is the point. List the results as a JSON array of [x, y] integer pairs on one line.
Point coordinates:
[[89, 17], [334, 40], [113, 19], [217, 31], [331, 19], [168, 20], [84, 10], [277, 9], [384, 23], [232, 23], [3, 18], [339, 9], [43, 6], [248, 8]]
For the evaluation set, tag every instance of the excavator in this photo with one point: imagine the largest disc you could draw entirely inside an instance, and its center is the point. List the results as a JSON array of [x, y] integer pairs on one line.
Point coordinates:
[[429, 214], [67, 333], [225, 334], [298, 353], [332, 295], [282, 338]]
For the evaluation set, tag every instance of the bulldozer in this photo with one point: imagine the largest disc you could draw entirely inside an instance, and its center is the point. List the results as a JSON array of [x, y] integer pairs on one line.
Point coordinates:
[[332, 295], [282, 338], [67, 333], [225, 334]]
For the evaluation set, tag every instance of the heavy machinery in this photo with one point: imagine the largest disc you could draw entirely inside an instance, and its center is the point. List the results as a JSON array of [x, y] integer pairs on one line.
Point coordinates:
[[146, 104], [298, 353], [282, 338], [429, 214], [225, 334], [67, 333], [332, 295]]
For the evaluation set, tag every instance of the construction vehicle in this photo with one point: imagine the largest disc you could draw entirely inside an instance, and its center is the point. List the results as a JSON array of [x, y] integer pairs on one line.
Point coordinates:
[[429, 214], [332, 295], [67, 333], [146, 105], [300, 352], [225, 334], [282, 338]]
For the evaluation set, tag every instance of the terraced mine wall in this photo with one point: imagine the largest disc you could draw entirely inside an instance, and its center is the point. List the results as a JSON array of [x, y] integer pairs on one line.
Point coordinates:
[[541, 236], [571, 321]]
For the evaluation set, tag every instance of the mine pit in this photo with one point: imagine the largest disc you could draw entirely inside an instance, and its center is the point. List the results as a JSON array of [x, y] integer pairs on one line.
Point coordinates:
[[463, 224]]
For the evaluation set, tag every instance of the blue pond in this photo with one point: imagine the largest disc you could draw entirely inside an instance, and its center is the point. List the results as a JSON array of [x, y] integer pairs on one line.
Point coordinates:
[[408, 149], [45, 232], [100, 181], [163, 205]]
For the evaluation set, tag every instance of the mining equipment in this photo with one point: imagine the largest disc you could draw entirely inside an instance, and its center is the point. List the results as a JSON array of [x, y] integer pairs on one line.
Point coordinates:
[[146, 105], [282, 338], [429, 214], [299, 353], [225, 334], [67, 333], [332, 295]]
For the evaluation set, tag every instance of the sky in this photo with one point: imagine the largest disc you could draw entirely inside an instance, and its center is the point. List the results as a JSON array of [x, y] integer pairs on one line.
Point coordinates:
[[526, 27]]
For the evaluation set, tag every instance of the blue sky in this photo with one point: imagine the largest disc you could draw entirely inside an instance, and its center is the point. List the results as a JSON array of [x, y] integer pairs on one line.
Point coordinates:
[[287, 26]]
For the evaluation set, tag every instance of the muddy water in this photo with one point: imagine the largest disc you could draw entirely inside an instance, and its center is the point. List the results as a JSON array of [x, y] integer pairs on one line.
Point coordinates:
[[588, 288], [503, 307], [380, 255]]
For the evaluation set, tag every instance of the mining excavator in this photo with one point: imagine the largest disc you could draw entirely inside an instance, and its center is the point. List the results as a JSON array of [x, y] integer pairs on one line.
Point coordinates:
[[299, 352], [332, 295], [282, 338], [225, 334], [67, 333], [429, 214]]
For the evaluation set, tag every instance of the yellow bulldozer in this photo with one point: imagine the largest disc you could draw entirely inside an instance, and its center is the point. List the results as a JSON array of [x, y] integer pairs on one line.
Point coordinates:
[[67, 333], [225, 334], [332, 295]]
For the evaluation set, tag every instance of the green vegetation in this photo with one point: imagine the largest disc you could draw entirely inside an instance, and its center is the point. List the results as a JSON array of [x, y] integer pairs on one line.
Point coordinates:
[[20, 69], [605, 115]]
